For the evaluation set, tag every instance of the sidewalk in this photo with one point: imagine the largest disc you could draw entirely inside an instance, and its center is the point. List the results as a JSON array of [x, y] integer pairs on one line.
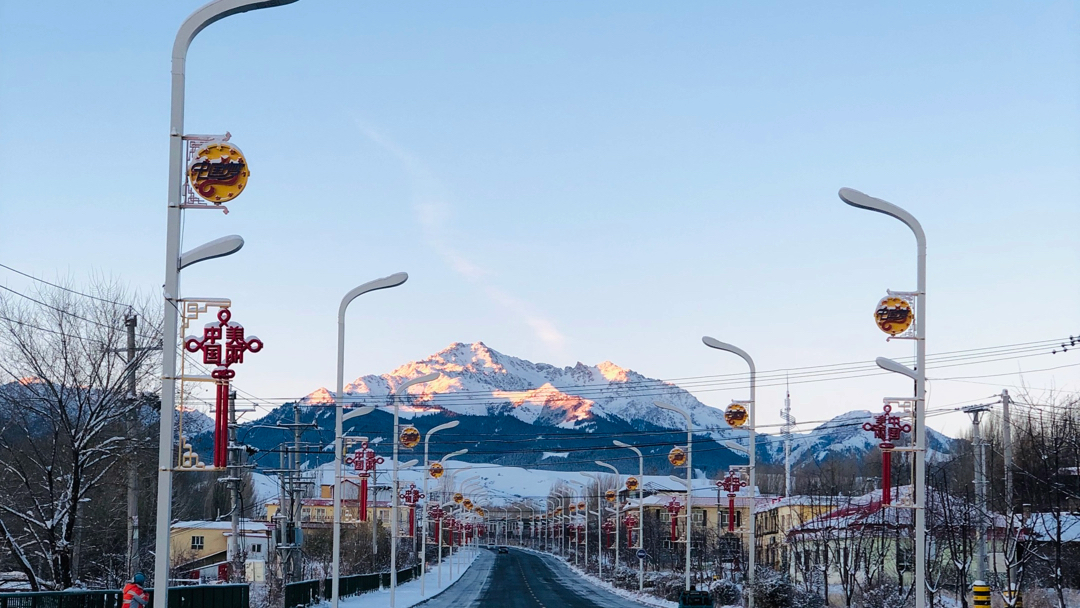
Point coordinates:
[[408, 594]]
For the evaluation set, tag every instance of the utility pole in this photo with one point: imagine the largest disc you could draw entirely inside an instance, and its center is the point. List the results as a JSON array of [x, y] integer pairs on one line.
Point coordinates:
[[786, 432], [1006, 436], [234, 479], [132, 463], [980, 486]]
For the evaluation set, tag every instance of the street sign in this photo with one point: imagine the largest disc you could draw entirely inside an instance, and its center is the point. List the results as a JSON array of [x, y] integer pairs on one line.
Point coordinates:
[[893, 315], [218, 172], [641, 554]]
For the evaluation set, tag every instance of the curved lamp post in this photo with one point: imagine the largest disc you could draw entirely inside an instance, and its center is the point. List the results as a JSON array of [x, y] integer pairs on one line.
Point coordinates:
[[752, 453], [641, 508], [174, 260], [424, 510], [689, 478], [599, 523], [862, 201], [618, 483]]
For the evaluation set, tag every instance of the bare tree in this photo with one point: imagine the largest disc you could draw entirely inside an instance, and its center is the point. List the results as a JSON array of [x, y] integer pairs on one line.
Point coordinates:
[[63, 409]]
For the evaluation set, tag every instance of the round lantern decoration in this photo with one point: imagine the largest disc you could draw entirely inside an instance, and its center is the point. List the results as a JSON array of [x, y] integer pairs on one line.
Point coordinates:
[[467, 503], [458, 498], [893, 315], [610, 495], [736, 415], [573, 508], [677, 457], [435, 470], [410, 437], [218, 172], [581, 506], [632, 483]]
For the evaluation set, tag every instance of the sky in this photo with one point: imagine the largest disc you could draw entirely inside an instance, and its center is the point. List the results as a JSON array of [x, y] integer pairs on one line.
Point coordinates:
[[575, 181]]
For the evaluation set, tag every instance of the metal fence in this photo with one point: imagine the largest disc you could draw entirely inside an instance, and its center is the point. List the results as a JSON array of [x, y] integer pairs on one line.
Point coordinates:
[[194, 596], [304, 593]]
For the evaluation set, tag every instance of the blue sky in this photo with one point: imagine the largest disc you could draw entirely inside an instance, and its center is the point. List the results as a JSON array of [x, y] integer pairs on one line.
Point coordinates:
[[573, 181]]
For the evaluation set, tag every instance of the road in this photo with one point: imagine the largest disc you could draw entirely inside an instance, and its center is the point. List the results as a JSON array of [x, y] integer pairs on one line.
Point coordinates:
[[522, 579]]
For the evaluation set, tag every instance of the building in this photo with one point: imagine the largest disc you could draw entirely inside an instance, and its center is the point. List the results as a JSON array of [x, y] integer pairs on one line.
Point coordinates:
[[202, 550], [775, 518], [319, 512]]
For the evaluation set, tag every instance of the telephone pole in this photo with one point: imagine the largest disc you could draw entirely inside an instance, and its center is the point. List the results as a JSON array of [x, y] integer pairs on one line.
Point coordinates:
[[132, 462], [980, 486], [235, 477], [786, 432]]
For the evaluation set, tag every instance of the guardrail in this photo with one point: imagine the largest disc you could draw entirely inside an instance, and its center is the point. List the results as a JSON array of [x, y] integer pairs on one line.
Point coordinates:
[[303, 593], [194, 596]]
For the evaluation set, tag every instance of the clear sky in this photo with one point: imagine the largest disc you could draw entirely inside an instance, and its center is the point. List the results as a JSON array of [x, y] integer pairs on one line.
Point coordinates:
[[573, 181]]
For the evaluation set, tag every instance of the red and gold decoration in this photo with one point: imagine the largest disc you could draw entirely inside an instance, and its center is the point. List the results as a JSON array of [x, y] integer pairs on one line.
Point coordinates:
[[632, 483], [736, 415], [610, 495], [677, 457], [731, 484], [893, 315], [459, 498], [630, 521], [409, 438], [364, 461], [222, 356], [467, 503], [218, 172], [581, 507], [888, 429], [411, 497], [608, 528], [435, 470], [673, 508]]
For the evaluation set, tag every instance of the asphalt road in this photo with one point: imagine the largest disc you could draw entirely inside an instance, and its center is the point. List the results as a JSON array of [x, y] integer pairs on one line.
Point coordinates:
[[522, 579]]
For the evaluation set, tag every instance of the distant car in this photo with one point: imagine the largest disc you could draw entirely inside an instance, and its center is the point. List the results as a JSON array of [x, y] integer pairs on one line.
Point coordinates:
[[695, 599], [504, 549]]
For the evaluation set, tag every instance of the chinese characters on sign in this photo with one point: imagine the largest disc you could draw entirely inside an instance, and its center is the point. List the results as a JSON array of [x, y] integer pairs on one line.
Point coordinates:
[[887, 428], [893, 315], [219, 172]]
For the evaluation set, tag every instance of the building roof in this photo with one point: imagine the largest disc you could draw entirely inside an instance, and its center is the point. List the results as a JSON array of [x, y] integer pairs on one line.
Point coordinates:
[[246, 525]]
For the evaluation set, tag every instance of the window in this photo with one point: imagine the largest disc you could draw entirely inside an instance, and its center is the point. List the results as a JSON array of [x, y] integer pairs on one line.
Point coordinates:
[[256, 548], [665, 517], [198, 543], [724, 519], [699, 516]]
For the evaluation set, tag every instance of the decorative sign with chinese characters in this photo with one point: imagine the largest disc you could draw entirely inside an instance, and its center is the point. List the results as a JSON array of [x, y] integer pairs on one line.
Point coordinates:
[[218, 172], [435, 470], [893, 315], [222, 355], [364, 461], [677, 457], [887, 428], [736, 415], [610, 495], [731, 484], [458, 498], [632, 483], [410, 437]]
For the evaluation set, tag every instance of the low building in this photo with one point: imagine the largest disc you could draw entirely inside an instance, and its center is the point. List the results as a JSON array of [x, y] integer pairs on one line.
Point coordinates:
[[775, 518], [202, 550], [319, 512]]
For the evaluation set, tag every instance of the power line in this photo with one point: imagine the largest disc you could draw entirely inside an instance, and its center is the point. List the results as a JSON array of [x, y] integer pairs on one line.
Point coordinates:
[[67, 289]]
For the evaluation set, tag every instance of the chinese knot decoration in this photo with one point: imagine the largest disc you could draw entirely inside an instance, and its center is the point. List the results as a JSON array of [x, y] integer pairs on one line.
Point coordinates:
[[222, 355], [630, 521], [731, 484], [363, 461], [673, 508], [888, 429], [608, 528], [411, 497]]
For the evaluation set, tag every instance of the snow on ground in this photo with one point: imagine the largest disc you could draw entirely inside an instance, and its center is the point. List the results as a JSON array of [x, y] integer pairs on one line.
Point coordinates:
[[640, 598], [408, 594]]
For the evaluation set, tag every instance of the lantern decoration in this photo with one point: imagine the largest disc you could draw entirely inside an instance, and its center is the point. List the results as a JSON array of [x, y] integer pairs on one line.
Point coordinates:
[[677, 457], [736, 415], [630, 521], [573, 508], [610, 495], [608, 528], [222, 344], [581, 507], [435, 515], [480, 511], [888, 429], [467, 503], [411, 497], [731, 484], [435, 470], [364, 461], [893, 315], [218, 172], [632, 483], [458, 498], [673, 508], [410, 437]]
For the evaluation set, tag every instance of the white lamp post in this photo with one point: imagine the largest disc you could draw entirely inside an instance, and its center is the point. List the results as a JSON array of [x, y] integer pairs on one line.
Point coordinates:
[[599, 524], [618, 483], [174, 261], [689, 477], [752, 452], [424, 510], [394, 397], [862, 201], [641, 508], [339, 408]]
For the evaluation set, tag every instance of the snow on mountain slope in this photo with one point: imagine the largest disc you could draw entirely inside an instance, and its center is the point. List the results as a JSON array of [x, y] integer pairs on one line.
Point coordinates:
[[477, 380], [843, 436]]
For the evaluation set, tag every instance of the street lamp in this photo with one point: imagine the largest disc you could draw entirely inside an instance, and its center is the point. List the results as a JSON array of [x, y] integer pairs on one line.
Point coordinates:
[[751, 452], [394, 483], [423, 512], [641, 508], [599, 524], [618, 482], [393, 280], [862, 201], [174, 261], [689, 476]]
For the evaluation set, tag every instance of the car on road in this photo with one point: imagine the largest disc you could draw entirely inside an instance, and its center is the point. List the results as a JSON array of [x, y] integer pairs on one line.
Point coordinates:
[[695, 599], [504, 549]]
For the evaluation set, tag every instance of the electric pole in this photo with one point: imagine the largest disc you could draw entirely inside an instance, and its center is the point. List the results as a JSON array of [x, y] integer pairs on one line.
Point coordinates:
[[980, 486], [132, 462], [234, 478], [786, 432]]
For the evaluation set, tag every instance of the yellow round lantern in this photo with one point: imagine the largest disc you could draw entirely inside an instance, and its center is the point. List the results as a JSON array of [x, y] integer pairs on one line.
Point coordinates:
[[410, 437], [435, 470], [677, 457], [893, 315], [580, 506], [458, 498], [573, 508], [632, 483], [467, 503], [736, 415], [218, 172], [610, 495]]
